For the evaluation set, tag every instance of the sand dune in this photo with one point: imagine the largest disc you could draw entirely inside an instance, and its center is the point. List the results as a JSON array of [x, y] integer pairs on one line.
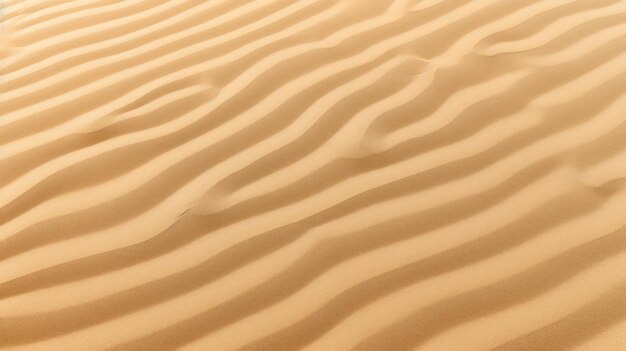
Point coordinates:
[[313, 175]]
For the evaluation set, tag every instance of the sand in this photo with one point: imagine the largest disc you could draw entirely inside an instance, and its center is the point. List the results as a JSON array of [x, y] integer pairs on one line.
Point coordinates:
[[317, 175]]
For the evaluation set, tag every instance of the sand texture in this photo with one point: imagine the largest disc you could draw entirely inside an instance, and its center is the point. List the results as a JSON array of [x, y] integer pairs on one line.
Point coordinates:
[[321, 175]]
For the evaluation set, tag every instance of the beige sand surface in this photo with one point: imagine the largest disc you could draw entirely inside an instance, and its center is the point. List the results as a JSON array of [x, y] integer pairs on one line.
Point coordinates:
[[320, 175]]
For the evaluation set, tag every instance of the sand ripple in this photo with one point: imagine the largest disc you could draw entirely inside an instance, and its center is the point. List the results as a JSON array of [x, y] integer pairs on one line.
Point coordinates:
[[313, 174]]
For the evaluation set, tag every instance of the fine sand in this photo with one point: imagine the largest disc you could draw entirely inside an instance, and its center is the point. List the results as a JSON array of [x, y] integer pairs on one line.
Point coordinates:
[[319, 175]]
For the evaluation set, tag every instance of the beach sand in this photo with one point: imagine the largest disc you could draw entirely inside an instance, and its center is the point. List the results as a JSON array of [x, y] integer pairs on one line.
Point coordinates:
[[319, 175]]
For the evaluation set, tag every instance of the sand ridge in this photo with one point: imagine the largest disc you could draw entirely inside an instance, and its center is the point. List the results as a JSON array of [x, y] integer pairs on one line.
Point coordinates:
[[313, 175]]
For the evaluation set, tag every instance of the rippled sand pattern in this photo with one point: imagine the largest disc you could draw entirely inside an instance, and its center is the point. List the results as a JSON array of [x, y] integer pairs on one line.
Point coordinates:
[[319, 175]]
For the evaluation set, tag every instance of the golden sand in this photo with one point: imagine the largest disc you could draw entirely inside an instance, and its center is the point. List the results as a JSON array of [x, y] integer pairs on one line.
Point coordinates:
[[320, 175]]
